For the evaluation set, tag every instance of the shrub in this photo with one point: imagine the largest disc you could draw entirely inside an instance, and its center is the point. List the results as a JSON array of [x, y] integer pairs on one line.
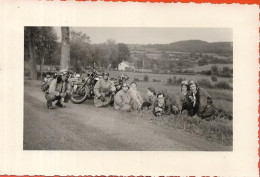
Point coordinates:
[[169, 81], [222, 85], [214, 78], [178, 81], [174, 79], [146, 78], [155, 80], [205, 72], [205, 83], [136, 80]]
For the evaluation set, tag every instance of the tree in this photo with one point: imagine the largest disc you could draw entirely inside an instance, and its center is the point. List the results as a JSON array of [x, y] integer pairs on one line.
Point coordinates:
[[29, 37], [45, 45], [81, 51], [123, 52], [226, 72], [203, 62], [65, 48], [215, 70]]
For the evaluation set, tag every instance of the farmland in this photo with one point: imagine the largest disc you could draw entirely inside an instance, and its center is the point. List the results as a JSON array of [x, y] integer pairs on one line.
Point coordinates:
[[164, 77]]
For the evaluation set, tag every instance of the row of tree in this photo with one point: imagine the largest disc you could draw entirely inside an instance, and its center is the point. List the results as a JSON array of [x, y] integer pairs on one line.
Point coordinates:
[[75, 51], [39, 46], [105, 55]]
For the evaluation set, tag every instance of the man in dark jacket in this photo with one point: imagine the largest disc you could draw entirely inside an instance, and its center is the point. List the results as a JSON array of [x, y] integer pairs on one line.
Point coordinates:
[[58, 90], [161, 106], [201, 101]]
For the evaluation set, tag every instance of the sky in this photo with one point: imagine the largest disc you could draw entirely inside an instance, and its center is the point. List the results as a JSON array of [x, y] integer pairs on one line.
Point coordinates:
[[135, 35]]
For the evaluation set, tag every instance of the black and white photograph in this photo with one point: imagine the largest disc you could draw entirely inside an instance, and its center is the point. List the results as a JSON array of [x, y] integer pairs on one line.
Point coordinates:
[[128, 88]]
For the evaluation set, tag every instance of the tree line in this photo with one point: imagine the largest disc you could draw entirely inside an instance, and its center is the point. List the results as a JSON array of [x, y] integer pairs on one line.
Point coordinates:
[[75, 51]]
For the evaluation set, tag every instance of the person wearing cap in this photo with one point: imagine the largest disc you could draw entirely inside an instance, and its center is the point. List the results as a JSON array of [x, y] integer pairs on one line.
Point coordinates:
[[161, 106], [202, 103], [117, 85], [137, 100], [122, 78], [104, 91], [182, 102], [58, 90], [149, 103], [122, 99]]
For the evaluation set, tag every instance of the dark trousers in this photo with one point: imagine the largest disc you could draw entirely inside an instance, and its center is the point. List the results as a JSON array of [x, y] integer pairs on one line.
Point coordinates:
[[51, 98], [146, 104]]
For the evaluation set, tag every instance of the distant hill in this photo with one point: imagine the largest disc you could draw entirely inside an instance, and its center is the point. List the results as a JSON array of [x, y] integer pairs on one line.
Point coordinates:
[[195, 46]]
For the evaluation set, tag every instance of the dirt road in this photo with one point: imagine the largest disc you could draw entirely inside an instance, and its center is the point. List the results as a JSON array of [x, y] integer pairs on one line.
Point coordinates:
[[84, 127]]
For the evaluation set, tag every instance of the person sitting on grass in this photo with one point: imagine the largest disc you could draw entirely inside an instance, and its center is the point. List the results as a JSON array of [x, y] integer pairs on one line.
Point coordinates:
[[117, 85], [149, 104], [122, 99], [137, 100], [202, 103], [161, 106], [182, 104]]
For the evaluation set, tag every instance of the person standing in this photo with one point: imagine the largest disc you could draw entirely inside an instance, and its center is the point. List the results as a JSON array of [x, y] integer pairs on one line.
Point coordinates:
[[104, 91]]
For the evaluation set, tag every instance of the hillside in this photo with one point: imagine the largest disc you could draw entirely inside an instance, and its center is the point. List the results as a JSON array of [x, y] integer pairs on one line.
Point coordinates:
[[192, 46]]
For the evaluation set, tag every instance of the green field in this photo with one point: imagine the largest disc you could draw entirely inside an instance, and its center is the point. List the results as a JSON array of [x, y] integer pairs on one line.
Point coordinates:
[[222, 98], [164, 77], [220, 130]]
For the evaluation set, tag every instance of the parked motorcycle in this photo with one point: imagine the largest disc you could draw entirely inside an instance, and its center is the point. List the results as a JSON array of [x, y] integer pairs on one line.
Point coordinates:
[[82, 86]]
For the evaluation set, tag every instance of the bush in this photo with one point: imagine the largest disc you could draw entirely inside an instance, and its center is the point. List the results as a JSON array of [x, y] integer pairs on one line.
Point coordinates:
[[205, 83], [174, 80], [214, 78], [155, 80], [136, 80], [178, 81], [222, 85], [146, 78], [205, 72], [169, 81]]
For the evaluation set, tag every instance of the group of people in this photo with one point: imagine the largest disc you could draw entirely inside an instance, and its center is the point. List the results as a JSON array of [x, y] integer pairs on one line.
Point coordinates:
[[192, 99]]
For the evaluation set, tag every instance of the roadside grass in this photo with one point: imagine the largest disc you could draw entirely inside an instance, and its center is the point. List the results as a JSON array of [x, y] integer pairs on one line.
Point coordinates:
[[223, 99], [219, 131]]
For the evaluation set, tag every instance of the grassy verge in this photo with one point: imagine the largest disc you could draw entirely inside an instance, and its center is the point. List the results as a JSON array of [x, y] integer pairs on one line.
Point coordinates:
[[219, 131]]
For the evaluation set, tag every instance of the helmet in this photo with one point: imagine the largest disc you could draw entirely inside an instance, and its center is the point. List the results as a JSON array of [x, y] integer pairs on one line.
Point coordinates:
[[125, 85], [64, 72], [191, 82], [105, 73], [184, 82], [123, 77]]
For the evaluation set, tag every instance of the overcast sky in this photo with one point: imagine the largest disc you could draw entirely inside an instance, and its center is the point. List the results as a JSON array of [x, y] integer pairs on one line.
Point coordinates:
[[135, 35]]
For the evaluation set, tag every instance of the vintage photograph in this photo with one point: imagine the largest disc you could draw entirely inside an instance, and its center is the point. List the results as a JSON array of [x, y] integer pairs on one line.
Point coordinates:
[[128, 89]]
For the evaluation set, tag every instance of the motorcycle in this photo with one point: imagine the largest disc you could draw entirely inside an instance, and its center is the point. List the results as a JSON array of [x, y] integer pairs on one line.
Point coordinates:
[[82, 86]]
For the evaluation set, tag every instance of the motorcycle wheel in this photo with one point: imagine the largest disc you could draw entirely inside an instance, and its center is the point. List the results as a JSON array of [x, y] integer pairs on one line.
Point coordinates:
[[79, 97]]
